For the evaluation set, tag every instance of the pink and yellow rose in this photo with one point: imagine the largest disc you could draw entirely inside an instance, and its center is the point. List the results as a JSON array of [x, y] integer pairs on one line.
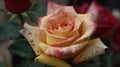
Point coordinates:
[[63, 34]]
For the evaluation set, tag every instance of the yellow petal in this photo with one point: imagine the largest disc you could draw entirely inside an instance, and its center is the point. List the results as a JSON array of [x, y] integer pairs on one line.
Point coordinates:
[[42, 33], [95, 47], [51, 40], [31, 33], [65, 33], [87, 26], [52, 61], [63, 52], [43, 36]]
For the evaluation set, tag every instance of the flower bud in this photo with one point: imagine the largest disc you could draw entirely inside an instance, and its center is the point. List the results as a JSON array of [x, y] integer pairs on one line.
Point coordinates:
[[17, 6]]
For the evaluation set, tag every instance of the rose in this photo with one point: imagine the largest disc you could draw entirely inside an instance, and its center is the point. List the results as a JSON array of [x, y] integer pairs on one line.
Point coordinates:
[[17, 6], [105, 25], [58, 32], [106, 22], [62, 34]]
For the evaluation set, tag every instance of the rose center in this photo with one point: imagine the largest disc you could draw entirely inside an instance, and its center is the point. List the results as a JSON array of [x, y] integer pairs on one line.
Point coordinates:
[[62, 21]]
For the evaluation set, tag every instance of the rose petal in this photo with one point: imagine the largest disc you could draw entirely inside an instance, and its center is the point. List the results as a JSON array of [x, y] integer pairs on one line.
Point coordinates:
[[65, 33], [95, 47], [52, 40], [53, 61], [52, 6], [93, 9], [65, 42], [62, 52], [42, 33], [87, 27], [39, 20], [32, 35]]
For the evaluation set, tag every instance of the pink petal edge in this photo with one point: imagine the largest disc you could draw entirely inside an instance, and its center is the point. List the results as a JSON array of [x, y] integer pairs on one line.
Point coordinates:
[[52, 6]]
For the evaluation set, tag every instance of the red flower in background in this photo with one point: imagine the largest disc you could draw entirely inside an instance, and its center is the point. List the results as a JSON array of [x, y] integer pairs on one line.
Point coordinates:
[[106, 23], [17, 6], [105, 20], [116, 40]]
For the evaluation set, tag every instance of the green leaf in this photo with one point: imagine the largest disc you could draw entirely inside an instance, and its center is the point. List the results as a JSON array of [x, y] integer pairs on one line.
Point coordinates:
[[13, 16], [22, 48], [24, 14], [116, 59], [33, 3], [106, 60], [29, 63], [2, 11], [38, 10], [95, 62], [9, 31], [91, 63], [3, 64]]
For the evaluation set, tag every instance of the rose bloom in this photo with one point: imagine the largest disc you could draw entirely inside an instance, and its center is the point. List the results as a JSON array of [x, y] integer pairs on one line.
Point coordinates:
[[106, 22], [17, 6], [63, 34]]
